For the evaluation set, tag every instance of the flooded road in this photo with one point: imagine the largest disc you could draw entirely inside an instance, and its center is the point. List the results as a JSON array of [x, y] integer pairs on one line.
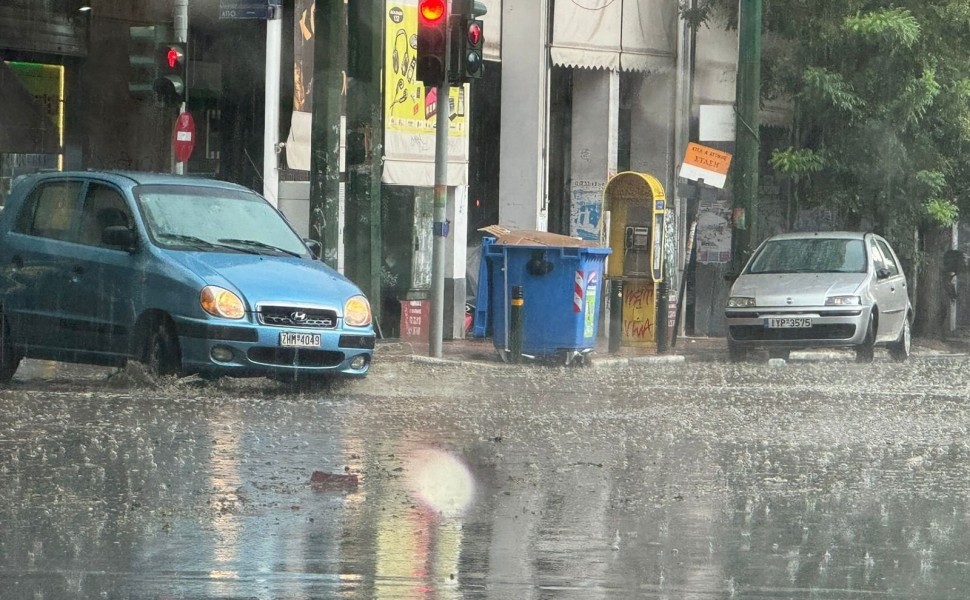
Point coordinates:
[[697, 480]]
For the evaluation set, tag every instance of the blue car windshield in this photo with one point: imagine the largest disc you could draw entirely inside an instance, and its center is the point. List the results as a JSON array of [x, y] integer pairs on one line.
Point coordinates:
[[810, 255], [215, 219]]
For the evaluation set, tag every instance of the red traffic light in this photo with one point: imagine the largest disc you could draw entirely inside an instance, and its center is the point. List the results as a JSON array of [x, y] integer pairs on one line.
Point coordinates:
[[173, 57], [474, 33], [432, 10]]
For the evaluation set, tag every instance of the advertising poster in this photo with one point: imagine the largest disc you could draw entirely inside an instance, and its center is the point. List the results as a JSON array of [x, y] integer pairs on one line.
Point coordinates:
[[298, 141], [586, 209], [411, 109]]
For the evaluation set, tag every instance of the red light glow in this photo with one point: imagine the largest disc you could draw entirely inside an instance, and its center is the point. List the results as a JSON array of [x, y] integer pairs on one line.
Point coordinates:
[[432, 10], [173, 57], [475, 34]]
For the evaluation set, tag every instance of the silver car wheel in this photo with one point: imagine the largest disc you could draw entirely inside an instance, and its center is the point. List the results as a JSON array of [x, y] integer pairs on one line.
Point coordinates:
[[901, 348]]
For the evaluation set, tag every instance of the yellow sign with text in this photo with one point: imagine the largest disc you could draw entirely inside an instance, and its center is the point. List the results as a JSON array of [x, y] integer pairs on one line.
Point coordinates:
[[410, 107]]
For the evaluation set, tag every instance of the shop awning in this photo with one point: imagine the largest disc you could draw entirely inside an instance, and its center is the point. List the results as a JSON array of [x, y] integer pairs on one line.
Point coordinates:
[[623, 35], [25, 127]]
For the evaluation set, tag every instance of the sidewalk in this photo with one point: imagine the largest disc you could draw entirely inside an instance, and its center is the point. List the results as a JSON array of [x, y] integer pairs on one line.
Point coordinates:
[[689, 349]]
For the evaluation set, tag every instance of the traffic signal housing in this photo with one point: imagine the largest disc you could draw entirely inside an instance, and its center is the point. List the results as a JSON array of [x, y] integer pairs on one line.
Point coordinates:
[[432, 51], [142, 65], [467, 41], [169, 85], [472, 64]]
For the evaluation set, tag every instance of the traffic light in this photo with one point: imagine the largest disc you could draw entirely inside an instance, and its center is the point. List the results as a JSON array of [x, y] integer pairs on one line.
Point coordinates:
[[432, 67], [467, 39], [169, 85], [141, 61], [472, 64]]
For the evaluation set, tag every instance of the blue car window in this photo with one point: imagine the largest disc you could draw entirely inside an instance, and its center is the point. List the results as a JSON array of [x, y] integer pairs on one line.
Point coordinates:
[[51, 211], [103, 207], [214, 220]]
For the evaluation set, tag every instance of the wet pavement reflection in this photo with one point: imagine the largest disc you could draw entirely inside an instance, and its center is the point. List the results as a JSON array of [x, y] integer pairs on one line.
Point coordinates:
[[814, 480]]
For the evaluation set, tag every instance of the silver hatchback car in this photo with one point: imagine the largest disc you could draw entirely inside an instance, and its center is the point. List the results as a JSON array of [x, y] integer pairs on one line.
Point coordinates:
[[820, 289]]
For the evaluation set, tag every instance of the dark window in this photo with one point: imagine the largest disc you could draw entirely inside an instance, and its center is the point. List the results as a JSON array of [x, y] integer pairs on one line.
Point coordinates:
[[51, 211], [888, 259], [103, 207]]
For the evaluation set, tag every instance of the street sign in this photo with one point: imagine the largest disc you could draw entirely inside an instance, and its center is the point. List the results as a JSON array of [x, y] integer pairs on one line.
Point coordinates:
[[703, 162], [183, 138], [249, 9]]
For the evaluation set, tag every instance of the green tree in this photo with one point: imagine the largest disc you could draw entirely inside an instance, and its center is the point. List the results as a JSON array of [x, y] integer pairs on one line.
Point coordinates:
[[880, 95]]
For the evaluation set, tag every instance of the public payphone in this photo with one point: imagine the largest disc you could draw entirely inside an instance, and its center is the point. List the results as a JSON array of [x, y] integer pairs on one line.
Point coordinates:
[[637, 211]]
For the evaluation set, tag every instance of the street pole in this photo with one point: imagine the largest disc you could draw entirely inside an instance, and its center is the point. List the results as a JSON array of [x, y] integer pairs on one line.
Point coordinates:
[[745, 231], [271, 114], [181, 20], [329, 66], [440, 216]]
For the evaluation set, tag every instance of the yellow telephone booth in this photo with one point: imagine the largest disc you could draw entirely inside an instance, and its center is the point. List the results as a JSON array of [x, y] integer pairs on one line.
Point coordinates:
[[637, 207]]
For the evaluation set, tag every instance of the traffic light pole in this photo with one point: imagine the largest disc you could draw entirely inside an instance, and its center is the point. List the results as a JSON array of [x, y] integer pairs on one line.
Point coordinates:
[[440, 224], [181, 20]]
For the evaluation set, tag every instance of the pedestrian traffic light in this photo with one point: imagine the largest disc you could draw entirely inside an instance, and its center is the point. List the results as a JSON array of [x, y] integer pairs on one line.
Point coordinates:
[[432, 59], [472, 65], [141, 61], [467, 40], [169, 83]]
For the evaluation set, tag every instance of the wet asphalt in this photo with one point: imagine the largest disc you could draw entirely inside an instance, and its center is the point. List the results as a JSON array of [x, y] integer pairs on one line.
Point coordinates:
[[812, 479]]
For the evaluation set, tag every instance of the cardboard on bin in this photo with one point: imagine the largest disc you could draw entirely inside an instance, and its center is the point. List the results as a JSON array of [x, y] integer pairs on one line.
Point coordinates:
[[526, 237]]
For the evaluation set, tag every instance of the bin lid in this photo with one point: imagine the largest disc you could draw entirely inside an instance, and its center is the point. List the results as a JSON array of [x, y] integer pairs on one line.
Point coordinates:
[[528, 237]]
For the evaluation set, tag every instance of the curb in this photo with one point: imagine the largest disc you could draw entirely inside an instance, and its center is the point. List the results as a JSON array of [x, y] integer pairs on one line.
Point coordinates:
[[674, 359]]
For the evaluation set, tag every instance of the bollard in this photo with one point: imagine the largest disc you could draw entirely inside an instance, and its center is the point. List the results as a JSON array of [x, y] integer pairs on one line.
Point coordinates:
[[516, 323], [660, 325], [616, 315]]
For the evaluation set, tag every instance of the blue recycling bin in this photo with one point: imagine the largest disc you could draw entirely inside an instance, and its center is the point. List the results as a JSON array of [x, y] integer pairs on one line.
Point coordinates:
[[562, 288]]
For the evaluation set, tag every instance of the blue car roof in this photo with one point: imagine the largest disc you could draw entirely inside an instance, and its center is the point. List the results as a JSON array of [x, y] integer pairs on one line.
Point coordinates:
[[132, 178]]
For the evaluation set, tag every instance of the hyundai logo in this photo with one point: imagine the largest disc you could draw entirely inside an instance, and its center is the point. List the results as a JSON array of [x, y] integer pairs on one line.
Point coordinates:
[[298, 316], [789, 301]]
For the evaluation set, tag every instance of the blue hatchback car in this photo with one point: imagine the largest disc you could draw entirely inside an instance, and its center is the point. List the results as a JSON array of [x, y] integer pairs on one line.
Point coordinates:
[[185, 275]]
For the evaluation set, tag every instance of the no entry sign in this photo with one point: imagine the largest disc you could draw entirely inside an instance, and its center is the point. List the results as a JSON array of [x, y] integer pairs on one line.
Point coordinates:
[[183, 138]]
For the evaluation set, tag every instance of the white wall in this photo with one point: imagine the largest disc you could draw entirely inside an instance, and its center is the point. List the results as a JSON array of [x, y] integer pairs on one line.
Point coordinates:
[[522, 188]]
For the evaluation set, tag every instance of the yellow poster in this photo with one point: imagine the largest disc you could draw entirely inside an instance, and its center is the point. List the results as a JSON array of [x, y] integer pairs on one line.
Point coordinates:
[[411, 109]]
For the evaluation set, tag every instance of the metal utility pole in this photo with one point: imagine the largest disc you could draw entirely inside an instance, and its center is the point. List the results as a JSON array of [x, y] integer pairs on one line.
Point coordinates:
[[745, 231], [440, 216], [271, 97], [181, 20]]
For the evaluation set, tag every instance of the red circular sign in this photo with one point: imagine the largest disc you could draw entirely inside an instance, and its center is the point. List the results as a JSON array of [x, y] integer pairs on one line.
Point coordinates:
[[183, 138]]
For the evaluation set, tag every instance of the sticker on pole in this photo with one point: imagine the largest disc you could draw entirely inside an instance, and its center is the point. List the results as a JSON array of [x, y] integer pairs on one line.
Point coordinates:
[[183, 138], [703, 162]]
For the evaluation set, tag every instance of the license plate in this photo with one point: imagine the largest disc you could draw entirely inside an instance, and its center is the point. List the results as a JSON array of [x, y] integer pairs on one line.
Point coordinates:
[[299, 340], [788, 322]]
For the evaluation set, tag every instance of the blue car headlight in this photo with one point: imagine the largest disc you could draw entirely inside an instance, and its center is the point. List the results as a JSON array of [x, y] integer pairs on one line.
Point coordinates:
[[357, 312]]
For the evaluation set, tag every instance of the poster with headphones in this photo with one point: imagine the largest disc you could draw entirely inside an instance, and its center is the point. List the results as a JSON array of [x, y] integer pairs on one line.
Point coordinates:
[[411, 109]]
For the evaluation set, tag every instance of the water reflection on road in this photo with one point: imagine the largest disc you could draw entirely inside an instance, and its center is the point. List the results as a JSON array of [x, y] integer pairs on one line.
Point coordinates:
[[711, 481]]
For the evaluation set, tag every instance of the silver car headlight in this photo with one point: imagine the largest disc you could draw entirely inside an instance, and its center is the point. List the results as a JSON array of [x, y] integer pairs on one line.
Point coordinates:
[[740, 302], [843, 301]]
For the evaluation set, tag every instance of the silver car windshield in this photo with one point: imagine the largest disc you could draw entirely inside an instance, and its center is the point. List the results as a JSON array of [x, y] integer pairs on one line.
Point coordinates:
[[214, 219], [812, 255]]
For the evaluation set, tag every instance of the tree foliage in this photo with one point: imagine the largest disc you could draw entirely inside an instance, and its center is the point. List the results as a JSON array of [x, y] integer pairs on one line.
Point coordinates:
[[881, 103]]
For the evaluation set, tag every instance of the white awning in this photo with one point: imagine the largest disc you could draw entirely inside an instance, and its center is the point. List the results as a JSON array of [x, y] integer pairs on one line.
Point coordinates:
[[627, 35]]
